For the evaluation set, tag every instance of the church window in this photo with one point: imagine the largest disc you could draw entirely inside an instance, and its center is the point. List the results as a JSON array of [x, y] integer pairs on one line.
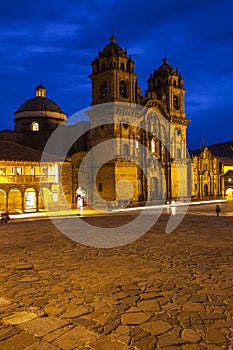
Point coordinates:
[[178, 152], [176, 102], [35, 126], [125, 150], [153, 146], [122, 66], [104, 90], [100, 187], [137, 144], [123, 89], [103, 67]]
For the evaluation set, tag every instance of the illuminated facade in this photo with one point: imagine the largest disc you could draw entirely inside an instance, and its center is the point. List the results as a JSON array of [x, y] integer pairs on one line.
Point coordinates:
[[207, 170], [212, 172], [228, 183], [161, 128], [165, 172], [26, 183]]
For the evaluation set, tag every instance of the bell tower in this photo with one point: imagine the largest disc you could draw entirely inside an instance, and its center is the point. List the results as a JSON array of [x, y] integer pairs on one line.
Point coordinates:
[[168, 85], [113, 77]]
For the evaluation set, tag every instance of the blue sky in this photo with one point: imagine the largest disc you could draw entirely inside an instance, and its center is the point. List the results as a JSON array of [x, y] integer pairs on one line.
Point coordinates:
[[54, 42]]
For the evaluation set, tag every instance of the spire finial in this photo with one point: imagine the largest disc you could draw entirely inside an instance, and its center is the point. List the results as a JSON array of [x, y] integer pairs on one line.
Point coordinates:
[[165, 60], [112, 39]]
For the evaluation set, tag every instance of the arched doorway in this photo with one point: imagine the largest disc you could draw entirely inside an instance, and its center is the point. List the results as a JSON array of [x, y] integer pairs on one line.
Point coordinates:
[[15, 201], [205, 190], [2, 200], [229, 193], [30, 200]]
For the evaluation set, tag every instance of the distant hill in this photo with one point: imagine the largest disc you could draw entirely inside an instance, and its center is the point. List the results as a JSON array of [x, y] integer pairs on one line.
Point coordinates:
[[224, 150]]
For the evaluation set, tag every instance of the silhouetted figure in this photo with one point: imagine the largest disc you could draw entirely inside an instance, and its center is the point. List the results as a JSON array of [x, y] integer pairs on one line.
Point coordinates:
[[4, 218], [218, 209]]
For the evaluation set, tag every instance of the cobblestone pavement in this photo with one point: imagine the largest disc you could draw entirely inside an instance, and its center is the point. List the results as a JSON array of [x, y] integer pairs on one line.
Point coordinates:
[[163, 291]]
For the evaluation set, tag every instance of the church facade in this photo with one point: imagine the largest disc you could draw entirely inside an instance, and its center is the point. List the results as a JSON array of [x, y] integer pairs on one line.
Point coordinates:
[[144, 157], [212, 169], [158, 125]]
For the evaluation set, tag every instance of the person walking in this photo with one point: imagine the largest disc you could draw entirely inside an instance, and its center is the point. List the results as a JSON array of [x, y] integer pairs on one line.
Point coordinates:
[[218, 209]]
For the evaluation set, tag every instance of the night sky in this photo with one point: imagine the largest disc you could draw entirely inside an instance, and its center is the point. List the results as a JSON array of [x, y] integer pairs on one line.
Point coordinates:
[[54, 42]]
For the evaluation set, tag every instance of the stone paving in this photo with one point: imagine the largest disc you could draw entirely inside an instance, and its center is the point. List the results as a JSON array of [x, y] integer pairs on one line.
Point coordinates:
[[163, 291]]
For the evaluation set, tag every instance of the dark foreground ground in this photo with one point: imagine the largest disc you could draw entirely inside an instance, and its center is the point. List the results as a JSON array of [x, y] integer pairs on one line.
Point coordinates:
[[162, 291]]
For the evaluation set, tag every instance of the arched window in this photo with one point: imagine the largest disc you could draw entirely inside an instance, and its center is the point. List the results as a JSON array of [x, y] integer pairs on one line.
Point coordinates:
[[125, 149], [176, 102], [152, 145], [123, 89], [104, 90], [35, 126], [178, 152], [122, 66]]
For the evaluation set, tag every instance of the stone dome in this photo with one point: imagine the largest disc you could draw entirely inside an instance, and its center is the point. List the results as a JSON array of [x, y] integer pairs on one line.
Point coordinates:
[[40, 110], [39, 104], [112, 49], [167, 68]]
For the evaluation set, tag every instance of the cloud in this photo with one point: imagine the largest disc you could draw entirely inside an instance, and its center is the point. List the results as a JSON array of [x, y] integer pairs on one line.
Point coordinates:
[[56, 41]]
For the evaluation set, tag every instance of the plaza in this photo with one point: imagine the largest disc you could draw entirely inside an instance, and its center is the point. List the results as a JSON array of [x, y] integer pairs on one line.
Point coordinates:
[[161, 291]]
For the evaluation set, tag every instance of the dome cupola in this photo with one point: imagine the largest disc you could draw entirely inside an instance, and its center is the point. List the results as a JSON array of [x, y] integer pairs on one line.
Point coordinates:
[[40, 91], [39, 113]]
